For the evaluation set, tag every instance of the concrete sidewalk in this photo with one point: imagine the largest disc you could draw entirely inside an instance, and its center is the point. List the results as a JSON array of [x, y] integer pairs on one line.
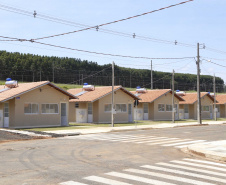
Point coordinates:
[[215, 150]]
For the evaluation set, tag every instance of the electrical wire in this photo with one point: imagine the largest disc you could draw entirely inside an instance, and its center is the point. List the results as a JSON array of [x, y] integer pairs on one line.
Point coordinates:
[[112, 22]]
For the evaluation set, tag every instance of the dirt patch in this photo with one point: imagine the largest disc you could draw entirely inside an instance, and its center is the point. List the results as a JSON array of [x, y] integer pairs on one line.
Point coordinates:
[[9, 136]]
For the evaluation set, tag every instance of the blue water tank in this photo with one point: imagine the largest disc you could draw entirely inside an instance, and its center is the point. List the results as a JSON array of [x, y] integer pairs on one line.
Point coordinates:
[[85, 83], [8, 79], [177, 90], [138, 87]]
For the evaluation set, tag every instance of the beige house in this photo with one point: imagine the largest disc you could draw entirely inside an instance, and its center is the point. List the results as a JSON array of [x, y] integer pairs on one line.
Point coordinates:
[[156, 104], [94, 105], [188, 108], [220, 105], [37, 104]]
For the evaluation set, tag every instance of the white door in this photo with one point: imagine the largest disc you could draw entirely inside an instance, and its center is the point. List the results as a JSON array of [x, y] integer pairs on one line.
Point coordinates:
[[1, 118], [186, 112], [64, 120], [176, 113], [138, 114], [90, 112], [181, 113], [130, 113], [81, 115], [6, 115], [211, 112], [145, 111]]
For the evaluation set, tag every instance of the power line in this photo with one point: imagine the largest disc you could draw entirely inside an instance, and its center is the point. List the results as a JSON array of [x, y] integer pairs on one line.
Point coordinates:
[[112, 22]]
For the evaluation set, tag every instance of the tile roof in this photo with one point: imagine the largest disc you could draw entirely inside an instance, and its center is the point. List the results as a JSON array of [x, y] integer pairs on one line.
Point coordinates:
[[191, 98], [99, 92], [26, 87], [221, 98], [151, 95]]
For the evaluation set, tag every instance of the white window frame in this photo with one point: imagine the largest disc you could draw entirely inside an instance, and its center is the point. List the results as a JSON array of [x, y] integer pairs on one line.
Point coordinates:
[[161, 107], [170, 106], [31, 113], [49, 105], [105, 107], [120, 104]]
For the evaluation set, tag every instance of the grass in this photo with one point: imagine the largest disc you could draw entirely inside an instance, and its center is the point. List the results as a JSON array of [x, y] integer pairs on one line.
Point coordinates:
[[74, 126]]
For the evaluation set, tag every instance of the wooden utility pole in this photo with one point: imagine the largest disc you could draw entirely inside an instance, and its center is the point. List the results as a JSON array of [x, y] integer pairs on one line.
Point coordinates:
[[151, 76], [199, 114], [53, 71], [173, 112], [40, 75], [112, 97], [214, 105]]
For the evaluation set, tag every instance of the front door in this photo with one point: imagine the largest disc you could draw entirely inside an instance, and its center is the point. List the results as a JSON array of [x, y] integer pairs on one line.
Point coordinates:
[[176, 111], [186, 111], [64, 121], [90, 112], [211, 112], [130, 113], [145, 111], [6, 115]]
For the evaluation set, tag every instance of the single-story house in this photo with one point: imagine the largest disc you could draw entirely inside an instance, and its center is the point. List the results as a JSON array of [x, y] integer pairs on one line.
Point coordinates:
[[220, 105], [94, 105], [188, 108], [36, 104], [156, 104]]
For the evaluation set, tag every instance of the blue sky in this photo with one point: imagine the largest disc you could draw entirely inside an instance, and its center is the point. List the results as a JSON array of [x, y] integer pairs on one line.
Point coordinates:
[[200, 21]]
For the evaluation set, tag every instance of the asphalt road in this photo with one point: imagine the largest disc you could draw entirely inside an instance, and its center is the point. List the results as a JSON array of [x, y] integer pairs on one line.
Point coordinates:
[[131, 157]]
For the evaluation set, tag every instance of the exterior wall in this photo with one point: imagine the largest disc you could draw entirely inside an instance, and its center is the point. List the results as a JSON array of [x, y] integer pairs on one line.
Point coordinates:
[[192, 109], [165, 99], [45, 94], [71, 116], [151, 111], [222, 111], [95, 111], [120, 98]]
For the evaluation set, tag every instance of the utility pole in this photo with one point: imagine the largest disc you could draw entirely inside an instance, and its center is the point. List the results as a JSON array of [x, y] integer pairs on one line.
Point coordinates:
[[112, 97], [151, 76], [40, 75], [173, 112], [53, 71], [199, 114], [214, 105]]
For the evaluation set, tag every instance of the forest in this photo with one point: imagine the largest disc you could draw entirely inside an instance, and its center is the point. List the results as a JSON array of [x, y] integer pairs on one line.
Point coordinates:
[[29, 67]]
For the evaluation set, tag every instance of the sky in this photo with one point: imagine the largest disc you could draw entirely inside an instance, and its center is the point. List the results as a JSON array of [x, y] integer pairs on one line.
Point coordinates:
[[198, 21]]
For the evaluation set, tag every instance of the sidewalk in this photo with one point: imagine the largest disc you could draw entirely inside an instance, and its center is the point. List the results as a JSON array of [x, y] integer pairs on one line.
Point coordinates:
[[213, 150]]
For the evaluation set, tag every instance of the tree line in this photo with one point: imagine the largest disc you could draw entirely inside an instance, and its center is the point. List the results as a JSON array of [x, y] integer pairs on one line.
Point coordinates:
[[29, 67]]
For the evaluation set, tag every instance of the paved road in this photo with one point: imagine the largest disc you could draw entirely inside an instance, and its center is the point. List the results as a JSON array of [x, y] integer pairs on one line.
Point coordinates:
[[137, 157]]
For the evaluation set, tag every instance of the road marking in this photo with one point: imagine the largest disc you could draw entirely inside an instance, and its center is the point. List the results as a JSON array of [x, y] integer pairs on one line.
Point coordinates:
[[205, 162], [199, 165], [146, 140], [137, 178], [173, 141], [182, 143], [192, 169], [165, 176], [105, 180], [184, 173], [71, 183], [158, 139]]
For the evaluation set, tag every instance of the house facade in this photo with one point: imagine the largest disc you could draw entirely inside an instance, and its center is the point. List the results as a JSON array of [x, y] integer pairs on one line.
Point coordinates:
[[36, 104], [188, 108], [220, 105], [94, 105], [156, 104]]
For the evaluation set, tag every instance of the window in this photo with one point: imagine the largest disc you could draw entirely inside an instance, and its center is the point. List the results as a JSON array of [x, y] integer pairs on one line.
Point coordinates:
[[161, 107], [31, 108], [76, 105], [169, 108], [121, 108], [205, 108], [50, 108], [107, 108]]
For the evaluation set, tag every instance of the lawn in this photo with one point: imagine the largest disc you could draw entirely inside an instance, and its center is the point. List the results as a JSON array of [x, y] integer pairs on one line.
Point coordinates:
[[74, 126]]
